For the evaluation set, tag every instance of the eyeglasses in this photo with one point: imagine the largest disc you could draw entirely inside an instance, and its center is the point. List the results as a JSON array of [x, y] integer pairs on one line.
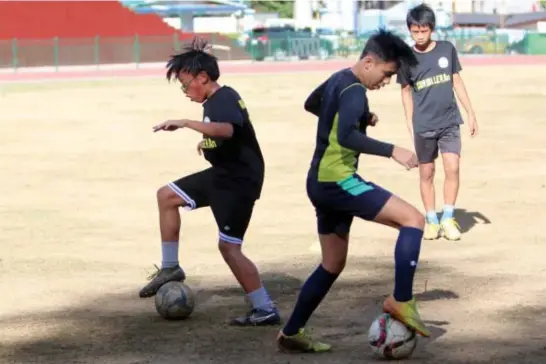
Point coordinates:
[[184, 85]]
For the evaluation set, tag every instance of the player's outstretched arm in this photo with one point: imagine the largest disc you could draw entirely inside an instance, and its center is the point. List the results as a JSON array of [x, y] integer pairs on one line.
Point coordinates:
[[221, 130], [314, 101]]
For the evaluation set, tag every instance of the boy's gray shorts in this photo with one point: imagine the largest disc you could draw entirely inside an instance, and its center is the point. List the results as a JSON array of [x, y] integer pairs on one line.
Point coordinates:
[[446, 140]]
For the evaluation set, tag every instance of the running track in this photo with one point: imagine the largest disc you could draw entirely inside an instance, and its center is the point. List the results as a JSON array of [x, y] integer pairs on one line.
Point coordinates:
[[247, 68]]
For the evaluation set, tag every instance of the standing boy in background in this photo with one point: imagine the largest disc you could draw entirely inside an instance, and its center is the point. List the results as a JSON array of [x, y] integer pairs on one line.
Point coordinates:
[[433, 117]]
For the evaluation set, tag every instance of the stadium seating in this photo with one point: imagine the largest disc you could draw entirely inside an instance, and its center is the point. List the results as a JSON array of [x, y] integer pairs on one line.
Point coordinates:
[[81, 25]]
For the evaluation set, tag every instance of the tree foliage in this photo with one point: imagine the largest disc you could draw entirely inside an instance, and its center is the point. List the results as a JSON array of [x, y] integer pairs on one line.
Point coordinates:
[[284, 8]]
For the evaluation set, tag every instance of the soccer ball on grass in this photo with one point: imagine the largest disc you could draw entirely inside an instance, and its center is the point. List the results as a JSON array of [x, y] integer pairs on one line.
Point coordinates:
[[391, 339], [174, 301]]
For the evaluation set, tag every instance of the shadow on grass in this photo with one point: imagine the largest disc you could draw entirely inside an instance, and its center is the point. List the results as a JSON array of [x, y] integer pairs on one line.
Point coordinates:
[[120, 328], [468, 219]]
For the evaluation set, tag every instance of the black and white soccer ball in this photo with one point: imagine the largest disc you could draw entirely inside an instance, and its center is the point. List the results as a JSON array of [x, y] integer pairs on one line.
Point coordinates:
[[174, 301], [391, 339]]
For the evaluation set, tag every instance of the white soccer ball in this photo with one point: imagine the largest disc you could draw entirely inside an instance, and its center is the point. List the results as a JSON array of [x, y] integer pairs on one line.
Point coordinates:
[[174, 301], [391, 339]]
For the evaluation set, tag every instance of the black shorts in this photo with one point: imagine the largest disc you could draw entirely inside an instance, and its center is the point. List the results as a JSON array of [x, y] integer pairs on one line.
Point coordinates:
[[336, 203], [445, 140], [231, 209]]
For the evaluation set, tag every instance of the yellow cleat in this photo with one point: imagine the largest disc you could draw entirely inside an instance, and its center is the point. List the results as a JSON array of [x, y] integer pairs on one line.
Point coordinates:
[[407, 313], [432, 232], [300, 343], [451, 230]]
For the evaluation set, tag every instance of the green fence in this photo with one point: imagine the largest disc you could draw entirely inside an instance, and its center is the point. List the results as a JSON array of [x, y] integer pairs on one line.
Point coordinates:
[[97, 51], [58, 52]]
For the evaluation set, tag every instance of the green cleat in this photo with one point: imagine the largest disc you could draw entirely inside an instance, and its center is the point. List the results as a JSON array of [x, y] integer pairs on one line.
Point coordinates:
[[407, 313], [300, 343]]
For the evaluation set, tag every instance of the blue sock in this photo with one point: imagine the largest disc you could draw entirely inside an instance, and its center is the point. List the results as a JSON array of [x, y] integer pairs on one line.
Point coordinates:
[[448, 212], [260, 300], [312, 292], [406, 256], [432, 218], [169, 254]]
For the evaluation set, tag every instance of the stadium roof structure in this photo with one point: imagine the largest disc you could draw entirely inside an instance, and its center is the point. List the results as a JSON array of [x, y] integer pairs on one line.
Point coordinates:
[[164, 8]]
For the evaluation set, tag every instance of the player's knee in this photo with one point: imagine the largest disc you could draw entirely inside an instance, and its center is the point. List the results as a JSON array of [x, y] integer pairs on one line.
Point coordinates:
[[414, 219], [334, 265], [228, 249], [426, 172], [166, 197], [452, 170]]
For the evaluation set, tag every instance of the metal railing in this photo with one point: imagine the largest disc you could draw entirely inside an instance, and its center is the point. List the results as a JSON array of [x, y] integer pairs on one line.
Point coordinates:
[[58, 52]]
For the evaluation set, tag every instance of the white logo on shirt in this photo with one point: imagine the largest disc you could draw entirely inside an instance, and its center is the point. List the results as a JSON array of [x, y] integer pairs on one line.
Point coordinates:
[[206, 119], [443, 62]]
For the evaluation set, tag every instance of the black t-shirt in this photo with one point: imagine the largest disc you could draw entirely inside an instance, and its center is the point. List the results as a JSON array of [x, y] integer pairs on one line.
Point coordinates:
[[237, 162], [434, 104]]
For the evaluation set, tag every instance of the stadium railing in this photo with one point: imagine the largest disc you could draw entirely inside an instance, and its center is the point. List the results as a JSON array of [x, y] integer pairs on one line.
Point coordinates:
[[97, 51]]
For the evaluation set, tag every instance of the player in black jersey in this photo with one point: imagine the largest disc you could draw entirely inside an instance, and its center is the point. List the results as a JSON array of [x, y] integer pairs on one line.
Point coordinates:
[[229, 187]]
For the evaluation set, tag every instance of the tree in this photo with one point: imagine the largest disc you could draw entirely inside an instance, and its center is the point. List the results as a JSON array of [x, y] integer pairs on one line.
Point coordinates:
[[284, 8], [543, 4]]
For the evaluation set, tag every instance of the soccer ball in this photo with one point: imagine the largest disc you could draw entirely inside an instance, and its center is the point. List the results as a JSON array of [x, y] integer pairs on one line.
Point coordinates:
[[391, 339], [174, 301]]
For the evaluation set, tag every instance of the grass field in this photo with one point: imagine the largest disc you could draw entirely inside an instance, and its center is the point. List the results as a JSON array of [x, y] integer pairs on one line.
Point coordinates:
[[79, 170]]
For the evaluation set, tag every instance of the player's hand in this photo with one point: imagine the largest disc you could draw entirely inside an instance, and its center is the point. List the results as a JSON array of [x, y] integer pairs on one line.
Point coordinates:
[[200, 146], [170, 125], [373, 120], [472, 125], [405, 157]]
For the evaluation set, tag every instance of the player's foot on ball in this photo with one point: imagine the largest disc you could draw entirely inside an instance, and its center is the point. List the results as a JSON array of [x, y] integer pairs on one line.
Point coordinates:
[[451, 230], [432, 231], [407, 313], [159, 278], [300, 343], [258, 317]]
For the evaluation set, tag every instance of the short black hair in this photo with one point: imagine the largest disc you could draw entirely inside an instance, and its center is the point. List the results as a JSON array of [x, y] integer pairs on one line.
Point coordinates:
[[389, 47], [421, 15], [195, 57]]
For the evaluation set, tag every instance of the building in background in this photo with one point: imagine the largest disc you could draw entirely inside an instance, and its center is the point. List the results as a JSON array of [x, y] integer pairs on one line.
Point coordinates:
[[484, 6], [303, 13], [338, 15]]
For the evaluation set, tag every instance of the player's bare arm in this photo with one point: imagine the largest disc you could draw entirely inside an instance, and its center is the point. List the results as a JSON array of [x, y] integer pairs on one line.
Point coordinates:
[[170, 125], [211, 130], [462, 95], [407, 102]]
